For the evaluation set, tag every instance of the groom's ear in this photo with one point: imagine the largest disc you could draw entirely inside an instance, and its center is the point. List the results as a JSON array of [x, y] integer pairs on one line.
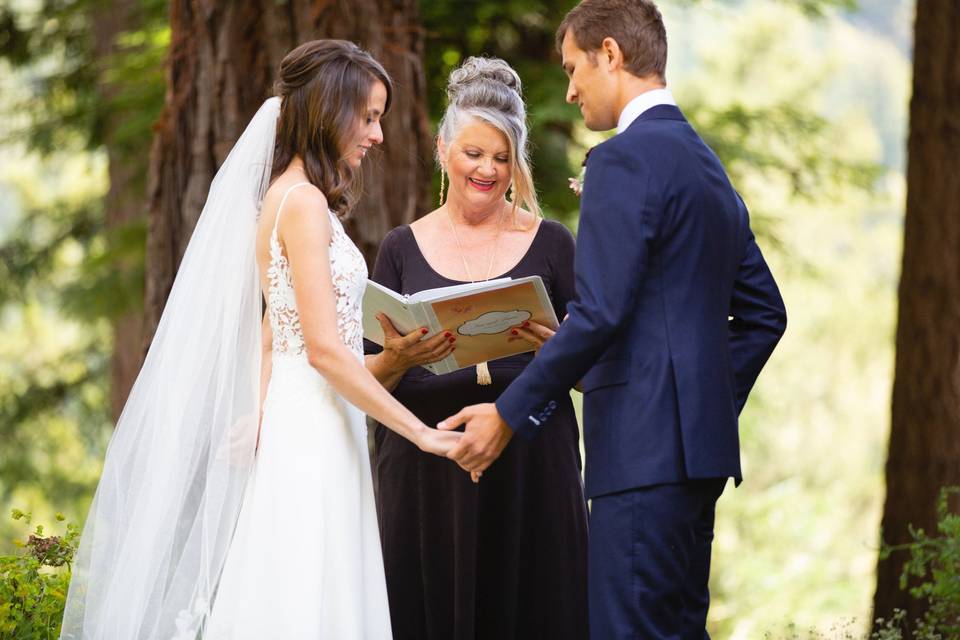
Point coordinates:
[[611, 54]]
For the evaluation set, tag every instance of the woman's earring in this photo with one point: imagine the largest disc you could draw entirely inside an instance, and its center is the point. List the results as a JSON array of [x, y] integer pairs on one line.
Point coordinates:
[[442, 184]]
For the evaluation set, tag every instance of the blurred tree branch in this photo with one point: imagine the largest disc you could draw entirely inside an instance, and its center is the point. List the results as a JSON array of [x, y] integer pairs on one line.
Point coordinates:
[[91, 83]]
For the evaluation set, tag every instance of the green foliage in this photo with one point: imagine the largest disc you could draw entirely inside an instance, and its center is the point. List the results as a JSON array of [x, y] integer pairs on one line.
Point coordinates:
[[54, 358], [73, 102], [80, 95], [34, 582], [893, 629], [61, 105], [932, 572], [782, 141], [51, 421], [897, 627], [819, 8], [67, 106], [31, 252], [842, 631]]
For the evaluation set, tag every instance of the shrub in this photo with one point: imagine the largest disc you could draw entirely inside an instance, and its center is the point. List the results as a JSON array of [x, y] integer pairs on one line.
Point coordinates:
[[33, 584], [935, 561]]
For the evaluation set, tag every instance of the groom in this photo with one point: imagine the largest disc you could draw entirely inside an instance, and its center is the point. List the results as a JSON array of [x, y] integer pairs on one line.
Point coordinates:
[[676, 314]]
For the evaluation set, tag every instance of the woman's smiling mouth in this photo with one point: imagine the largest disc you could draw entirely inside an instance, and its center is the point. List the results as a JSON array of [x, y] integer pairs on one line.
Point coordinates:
[[482, 185]]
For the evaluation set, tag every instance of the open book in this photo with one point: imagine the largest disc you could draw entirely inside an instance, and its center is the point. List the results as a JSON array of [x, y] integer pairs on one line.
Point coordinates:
[[480, 314]]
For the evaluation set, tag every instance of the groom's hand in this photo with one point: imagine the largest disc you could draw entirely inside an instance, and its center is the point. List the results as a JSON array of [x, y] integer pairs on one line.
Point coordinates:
[[484, 439]]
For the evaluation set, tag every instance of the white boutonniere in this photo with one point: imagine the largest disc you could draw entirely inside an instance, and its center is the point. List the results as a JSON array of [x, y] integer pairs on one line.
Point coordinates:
[[576, 183]]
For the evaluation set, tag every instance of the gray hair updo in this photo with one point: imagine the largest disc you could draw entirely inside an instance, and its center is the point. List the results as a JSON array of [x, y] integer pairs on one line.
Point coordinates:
[[489, 90]]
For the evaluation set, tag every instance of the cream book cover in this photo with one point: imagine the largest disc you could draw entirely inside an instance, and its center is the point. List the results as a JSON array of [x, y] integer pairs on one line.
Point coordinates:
[[480, 314]]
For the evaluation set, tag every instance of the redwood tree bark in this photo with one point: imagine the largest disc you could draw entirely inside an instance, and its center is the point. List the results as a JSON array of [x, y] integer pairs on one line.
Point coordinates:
[[925, 429], [124, 200], [222, 66]]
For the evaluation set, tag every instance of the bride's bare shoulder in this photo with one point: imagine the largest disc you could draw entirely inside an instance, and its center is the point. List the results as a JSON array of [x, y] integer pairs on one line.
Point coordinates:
[[297, 191], [301, 202]]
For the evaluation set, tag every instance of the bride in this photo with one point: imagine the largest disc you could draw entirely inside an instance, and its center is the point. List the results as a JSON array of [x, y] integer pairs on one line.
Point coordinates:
[[236, 499]]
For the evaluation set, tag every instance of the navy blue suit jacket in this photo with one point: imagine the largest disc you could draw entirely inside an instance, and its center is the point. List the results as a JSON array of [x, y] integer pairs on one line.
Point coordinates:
[[676, 313]]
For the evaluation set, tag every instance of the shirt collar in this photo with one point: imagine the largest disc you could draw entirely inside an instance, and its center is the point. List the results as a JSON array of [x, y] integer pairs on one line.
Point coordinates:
[[641, 103]]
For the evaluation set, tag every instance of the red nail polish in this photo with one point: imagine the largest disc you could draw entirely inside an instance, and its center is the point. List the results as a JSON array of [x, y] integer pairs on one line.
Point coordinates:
[[526, 324], [452, 340], [514, 332], [447, 334], [453, 349], [424, 331]]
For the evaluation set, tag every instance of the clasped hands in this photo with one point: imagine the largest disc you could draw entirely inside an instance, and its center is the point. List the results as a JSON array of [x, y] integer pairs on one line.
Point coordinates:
[[486, 434], [484, 439]]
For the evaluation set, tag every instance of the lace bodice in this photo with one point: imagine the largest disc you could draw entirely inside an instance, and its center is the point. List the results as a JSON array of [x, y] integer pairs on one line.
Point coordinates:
[[349, 273]]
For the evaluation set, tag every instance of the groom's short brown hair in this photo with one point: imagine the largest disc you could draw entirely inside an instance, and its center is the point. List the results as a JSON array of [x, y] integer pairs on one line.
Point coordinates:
[[636, 25]]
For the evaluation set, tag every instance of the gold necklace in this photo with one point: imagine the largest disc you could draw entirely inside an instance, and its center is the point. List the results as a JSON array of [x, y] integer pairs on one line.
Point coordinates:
[[463, 257], [483, 371]]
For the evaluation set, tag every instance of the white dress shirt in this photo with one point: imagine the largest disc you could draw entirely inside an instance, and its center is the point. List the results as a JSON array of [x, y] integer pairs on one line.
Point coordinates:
[[641, 103]]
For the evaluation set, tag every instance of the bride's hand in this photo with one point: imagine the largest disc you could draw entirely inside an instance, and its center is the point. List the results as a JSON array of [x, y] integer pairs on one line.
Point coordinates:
[[436, 441], [241, 441]]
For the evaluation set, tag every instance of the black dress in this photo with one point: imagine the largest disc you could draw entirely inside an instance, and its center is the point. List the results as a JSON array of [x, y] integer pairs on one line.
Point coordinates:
[[504, 559]]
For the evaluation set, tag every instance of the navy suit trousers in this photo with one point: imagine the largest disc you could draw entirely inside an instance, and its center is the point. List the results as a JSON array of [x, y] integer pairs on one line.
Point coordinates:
[[650, 561]]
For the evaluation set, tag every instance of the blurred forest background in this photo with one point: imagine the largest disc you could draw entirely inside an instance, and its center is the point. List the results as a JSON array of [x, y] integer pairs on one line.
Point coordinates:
[[806, 101]]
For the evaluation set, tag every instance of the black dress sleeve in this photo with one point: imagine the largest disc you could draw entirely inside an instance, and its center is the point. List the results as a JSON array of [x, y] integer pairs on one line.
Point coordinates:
[[561, 267], [387, 270]]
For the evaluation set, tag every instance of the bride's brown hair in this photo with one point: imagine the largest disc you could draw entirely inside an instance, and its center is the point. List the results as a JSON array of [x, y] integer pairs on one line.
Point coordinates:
[[324, 86]]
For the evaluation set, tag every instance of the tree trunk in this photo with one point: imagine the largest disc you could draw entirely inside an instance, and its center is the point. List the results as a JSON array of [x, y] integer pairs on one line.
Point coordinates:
[[924, 450], [123, 203], [222, 66]]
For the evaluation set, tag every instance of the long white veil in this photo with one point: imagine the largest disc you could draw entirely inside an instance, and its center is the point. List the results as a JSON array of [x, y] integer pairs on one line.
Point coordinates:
[[161, 521]]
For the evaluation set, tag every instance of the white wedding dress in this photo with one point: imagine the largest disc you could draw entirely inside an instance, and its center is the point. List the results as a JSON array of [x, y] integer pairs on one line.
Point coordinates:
[[305, 560]]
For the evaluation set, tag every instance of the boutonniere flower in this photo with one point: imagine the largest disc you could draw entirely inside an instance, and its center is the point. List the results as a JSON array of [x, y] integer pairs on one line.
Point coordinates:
[[576, 183]]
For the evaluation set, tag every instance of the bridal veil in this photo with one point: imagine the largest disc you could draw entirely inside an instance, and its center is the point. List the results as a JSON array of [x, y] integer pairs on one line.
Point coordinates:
[[158, 530]]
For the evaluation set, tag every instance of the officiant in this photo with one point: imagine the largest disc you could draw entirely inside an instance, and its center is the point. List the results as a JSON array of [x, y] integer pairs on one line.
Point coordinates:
[[504, 557]]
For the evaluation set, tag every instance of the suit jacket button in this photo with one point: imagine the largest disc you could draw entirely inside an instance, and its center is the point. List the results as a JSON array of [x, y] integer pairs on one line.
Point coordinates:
[[552, 404]]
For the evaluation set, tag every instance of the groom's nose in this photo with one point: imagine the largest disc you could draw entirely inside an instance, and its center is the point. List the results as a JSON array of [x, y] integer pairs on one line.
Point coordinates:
[[571, 93]]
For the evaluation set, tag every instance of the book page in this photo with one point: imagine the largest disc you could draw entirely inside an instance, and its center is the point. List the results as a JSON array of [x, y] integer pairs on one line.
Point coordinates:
[[379, 299], [482, 321], [455, 290]]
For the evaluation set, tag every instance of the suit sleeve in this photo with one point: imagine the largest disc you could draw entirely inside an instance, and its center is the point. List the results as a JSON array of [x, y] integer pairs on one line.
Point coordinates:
[[758, 319], [617, 225]]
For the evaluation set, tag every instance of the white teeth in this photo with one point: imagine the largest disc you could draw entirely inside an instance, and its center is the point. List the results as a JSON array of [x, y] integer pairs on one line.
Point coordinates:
[[483, 182]]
